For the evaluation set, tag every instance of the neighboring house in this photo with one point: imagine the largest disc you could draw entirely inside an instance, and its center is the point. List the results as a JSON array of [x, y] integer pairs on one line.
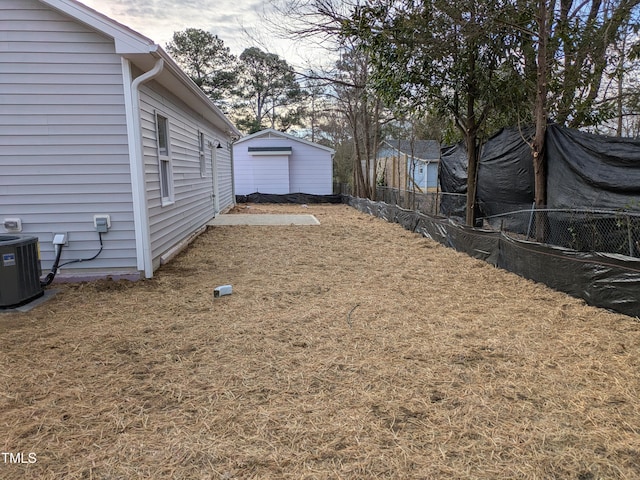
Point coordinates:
[[96, 119], [409, 165], [270, 161]]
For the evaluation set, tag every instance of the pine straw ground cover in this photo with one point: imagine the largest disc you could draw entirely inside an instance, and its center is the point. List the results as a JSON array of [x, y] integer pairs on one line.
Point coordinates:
[[348, 350]]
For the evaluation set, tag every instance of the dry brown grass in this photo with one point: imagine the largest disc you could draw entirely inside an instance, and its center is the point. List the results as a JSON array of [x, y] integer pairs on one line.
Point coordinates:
[[349, 350]]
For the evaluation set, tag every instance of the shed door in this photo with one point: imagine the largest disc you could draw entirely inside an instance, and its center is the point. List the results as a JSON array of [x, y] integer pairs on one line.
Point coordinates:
[[271, 174]]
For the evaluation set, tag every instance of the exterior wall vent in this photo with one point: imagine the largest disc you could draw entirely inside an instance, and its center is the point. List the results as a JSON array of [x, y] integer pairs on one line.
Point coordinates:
[[19, 270], [265, 151]]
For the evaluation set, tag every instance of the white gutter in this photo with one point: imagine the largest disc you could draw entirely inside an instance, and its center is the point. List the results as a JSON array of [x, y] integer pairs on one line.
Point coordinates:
[[136, 160]]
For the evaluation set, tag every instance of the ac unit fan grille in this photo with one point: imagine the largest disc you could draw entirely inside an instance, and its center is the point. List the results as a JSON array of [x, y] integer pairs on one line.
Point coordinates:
[[19, 271]]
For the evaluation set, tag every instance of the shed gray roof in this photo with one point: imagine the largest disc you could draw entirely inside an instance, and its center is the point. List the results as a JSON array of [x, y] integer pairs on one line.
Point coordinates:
[[419, 149]]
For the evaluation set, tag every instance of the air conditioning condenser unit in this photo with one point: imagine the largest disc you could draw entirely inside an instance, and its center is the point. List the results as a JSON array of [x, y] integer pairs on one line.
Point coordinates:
[[19, 270]]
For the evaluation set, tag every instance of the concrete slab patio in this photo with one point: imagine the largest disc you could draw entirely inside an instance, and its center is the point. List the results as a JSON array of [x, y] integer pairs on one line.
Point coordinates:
[[264, 219]]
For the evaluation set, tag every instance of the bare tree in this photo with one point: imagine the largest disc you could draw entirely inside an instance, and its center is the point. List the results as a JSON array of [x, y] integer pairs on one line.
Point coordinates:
[[321, 22], [363, 113]]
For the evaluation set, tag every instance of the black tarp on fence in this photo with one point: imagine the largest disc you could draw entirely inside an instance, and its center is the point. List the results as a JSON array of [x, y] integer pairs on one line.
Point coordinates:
[[300, 198], [603, 280], [505, 177], [453, 179], [589, 170], [583, 171]]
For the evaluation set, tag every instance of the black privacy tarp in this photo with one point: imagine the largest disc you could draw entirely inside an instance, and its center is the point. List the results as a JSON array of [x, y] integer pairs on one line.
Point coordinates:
[[299, 198], [604, 280], [505, 177], [591, 171], [453, 180], [583, 171], [407, 218]]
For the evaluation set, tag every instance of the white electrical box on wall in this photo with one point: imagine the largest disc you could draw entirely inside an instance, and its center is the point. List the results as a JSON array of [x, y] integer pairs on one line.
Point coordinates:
[[102, 217], [12, 224]]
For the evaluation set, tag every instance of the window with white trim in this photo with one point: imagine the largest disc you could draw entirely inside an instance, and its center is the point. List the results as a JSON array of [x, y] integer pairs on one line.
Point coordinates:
[[164, 159], [203, 164]]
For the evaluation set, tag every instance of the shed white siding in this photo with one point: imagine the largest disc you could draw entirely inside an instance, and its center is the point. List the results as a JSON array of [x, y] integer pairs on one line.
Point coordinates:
[[193, 194], [311, 170], [63, 136], [308, 168], [243, 178]]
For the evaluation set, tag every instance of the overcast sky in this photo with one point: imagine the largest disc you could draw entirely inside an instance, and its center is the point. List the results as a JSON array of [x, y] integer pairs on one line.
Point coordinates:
[[239, 23]]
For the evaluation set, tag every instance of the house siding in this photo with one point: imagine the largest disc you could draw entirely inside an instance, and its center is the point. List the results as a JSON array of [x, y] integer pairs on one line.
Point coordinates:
[[63, 136], [425, 174], [193, 202], [225, 175], [396, 170]]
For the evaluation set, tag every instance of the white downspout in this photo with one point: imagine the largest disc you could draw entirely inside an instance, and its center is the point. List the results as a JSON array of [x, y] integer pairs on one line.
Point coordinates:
[[233, 171], [138, 183]]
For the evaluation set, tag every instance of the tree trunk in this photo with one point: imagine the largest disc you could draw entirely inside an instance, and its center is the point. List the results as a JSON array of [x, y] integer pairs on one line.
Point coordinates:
[[470, 127], [366, 144], [472, 169], [359, 183], [620, 85], [540, 115]]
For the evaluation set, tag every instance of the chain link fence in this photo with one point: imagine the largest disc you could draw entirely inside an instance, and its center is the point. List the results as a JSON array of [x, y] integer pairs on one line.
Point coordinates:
[[430, 203], [583, 230]]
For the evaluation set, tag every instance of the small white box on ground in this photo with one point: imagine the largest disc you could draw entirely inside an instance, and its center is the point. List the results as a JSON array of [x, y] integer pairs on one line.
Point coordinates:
[[222, 290]]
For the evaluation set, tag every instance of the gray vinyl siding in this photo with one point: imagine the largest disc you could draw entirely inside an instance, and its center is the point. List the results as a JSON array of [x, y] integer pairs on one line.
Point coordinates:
[[192, 205], [63, 137], [225, 175]]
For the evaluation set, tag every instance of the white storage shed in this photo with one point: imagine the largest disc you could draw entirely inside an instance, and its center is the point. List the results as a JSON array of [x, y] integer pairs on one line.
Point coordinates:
[[274, 162]]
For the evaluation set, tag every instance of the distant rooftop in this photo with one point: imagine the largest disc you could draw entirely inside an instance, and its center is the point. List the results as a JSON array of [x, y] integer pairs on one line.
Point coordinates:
[[419, 149]]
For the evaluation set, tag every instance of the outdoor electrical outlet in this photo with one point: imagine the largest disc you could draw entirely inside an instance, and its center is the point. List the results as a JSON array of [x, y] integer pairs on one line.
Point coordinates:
[[60, 239], [13, 224], [101, 225], [102, 222]]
